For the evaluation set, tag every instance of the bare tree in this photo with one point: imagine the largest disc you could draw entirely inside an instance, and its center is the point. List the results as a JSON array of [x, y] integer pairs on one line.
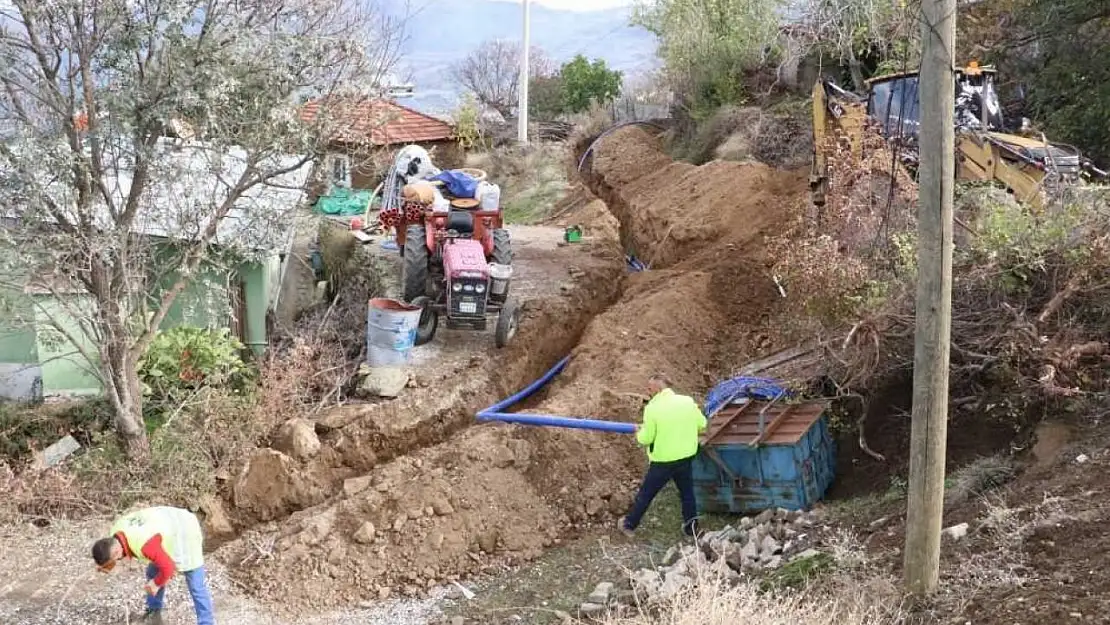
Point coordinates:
[[137, 134], [492, 73]]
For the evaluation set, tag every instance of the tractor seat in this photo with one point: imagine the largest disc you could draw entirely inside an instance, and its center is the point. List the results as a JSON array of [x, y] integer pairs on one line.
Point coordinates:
[[460, 221]]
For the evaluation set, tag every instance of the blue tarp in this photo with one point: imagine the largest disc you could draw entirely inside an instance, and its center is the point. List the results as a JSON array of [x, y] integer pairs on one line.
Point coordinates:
[[458, 183], [743, 386]]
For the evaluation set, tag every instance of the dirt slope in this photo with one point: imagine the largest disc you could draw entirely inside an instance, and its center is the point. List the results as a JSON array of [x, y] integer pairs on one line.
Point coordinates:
[[672, 212], [429, 509]]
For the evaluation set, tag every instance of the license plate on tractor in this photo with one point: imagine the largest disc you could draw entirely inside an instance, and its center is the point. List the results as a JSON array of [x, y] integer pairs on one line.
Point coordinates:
[[468, 307]]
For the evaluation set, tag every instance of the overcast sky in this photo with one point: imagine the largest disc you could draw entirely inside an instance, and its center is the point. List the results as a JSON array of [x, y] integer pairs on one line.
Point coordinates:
[[581, 5]]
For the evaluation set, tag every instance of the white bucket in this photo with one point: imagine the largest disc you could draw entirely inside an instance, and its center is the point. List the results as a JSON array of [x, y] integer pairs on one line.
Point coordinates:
[[489, 197], [390, 331], [499, 278]]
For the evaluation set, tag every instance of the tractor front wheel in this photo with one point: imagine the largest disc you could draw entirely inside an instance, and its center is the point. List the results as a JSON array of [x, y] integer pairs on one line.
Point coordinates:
[[429, 320], [414, 270], [502, 247], [508, 320]]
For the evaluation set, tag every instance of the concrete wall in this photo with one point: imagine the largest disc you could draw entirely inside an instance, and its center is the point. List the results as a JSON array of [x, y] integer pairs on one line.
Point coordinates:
[[20, 381]]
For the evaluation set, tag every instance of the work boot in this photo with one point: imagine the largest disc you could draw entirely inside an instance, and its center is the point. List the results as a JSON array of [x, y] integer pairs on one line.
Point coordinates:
[[692, 530], [624, 529], [153, 617]]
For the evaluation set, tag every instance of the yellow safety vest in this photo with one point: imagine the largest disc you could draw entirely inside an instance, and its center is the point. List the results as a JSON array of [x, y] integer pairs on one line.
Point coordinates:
[[182, 537], [671, 426]]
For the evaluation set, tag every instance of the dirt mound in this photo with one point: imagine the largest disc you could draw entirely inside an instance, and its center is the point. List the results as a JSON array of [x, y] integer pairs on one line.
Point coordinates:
[[671, 211], [580, 207]]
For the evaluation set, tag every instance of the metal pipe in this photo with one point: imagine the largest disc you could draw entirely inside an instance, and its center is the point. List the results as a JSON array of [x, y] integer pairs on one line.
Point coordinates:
[[496, 411]]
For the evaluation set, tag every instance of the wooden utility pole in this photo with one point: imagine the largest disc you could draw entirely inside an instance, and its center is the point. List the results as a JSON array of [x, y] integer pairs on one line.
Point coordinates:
[[928, 439]]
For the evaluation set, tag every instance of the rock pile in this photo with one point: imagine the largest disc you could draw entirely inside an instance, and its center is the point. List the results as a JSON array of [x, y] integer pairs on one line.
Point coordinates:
[[756, 544]]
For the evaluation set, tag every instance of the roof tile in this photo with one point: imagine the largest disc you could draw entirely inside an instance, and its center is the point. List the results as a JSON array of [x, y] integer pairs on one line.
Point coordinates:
[[379, 122]]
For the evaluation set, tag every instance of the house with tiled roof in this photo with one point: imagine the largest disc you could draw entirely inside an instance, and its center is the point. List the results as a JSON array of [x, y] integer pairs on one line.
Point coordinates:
[[367, 132]]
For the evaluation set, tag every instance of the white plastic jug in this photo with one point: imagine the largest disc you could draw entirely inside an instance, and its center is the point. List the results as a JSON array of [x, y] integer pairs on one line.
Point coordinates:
[[440, 204], [489, 196]]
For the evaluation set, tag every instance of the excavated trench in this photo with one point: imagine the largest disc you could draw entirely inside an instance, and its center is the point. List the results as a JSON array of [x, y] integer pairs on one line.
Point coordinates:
[[392, 462], [357, 438], [407, 495]]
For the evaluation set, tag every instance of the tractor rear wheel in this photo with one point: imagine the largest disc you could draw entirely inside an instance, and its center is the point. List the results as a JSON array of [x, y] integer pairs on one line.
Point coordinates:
[[508, 320], [414, 270], [502, 247], [429, 320]]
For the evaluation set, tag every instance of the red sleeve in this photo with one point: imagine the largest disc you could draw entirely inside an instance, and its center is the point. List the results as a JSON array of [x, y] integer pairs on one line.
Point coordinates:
[[155, 553]]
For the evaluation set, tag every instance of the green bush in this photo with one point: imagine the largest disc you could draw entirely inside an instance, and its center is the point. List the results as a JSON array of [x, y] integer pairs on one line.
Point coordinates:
[[185, 359]]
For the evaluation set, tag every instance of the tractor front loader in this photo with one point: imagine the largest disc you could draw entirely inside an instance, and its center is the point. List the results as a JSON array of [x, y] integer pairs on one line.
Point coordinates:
[[1026, 166]]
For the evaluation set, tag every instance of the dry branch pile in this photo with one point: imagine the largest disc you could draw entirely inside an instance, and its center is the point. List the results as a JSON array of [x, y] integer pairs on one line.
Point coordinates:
[[1029, 319]]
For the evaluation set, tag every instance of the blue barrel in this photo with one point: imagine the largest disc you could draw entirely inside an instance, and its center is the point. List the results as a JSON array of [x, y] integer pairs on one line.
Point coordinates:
[[390, 331]]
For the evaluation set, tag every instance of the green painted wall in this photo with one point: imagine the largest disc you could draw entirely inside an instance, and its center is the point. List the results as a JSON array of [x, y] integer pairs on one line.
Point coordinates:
[[65, 370], [17, 329], [205, 302]]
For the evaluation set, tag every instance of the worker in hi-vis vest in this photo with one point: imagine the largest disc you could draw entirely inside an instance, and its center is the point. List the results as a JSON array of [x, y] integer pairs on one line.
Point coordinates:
[[166, 540], [670, 431]]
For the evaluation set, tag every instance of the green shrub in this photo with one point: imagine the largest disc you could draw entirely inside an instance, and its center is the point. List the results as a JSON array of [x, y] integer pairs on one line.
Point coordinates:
[[185, 359]]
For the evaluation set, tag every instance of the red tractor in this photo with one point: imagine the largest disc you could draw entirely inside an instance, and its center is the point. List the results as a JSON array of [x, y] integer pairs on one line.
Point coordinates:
[[458, 263]]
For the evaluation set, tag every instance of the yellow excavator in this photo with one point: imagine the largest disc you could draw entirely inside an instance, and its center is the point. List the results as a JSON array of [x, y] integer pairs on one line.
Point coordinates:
[[1025, 165]]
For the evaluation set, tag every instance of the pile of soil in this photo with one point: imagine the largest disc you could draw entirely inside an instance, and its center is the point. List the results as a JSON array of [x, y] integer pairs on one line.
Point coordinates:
[[493, 495], [673, 212]]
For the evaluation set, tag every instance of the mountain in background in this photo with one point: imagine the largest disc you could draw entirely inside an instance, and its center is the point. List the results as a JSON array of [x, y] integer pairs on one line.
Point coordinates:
[[440, 32]]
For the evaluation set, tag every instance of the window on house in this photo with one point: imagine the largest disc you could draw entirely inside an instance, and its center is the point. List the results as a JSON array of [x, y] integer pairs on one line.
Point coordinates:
[[340, 168]]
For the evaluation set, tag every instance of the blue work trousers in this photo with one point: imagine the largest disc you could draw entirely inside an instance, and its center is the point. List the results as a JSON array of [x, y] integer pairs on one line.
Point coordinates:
[[198, 589], [681, 472]]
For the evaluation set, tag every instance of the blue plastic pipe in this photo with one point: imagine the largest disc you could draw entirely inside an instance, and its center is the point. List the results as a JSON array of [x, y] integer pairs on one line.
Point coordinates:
[[497, 412], [561, 422]]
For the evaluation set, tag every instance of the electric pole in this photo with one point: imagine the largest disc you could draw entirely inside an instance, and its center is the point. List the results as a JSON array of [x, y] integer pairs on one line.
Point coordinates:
[[522, 88], [929, 432]]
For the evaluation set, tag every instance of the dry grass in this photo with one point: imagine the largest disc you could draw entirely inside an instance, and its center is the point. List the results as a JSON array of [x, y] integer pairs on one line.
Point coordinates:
[[779, 137], [532, 178], [979, 477], [850, 590], [715, 601], [589, 124]]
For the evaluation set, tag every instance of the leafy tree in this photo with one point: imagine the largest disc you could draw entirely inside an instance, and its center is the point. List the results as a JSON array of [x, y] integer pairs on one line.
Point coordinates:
[[707, 44], [1053, 56], [585, 82], [546, 100], [492, 73], [92, 96], [468, 131]]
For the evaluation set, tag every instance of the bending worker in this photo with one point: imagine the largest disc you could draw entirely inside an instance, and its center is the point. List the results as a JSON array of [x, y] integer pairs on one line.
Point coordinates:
[[670, 430], [166, 540]]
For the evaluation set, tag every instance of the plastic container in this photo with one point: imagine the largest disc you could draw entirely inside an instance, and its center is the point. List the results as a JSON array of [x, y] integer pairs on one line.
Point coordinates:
[[791, 465], [390, 332], [489, 196], [499, 277], [440, 204]]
